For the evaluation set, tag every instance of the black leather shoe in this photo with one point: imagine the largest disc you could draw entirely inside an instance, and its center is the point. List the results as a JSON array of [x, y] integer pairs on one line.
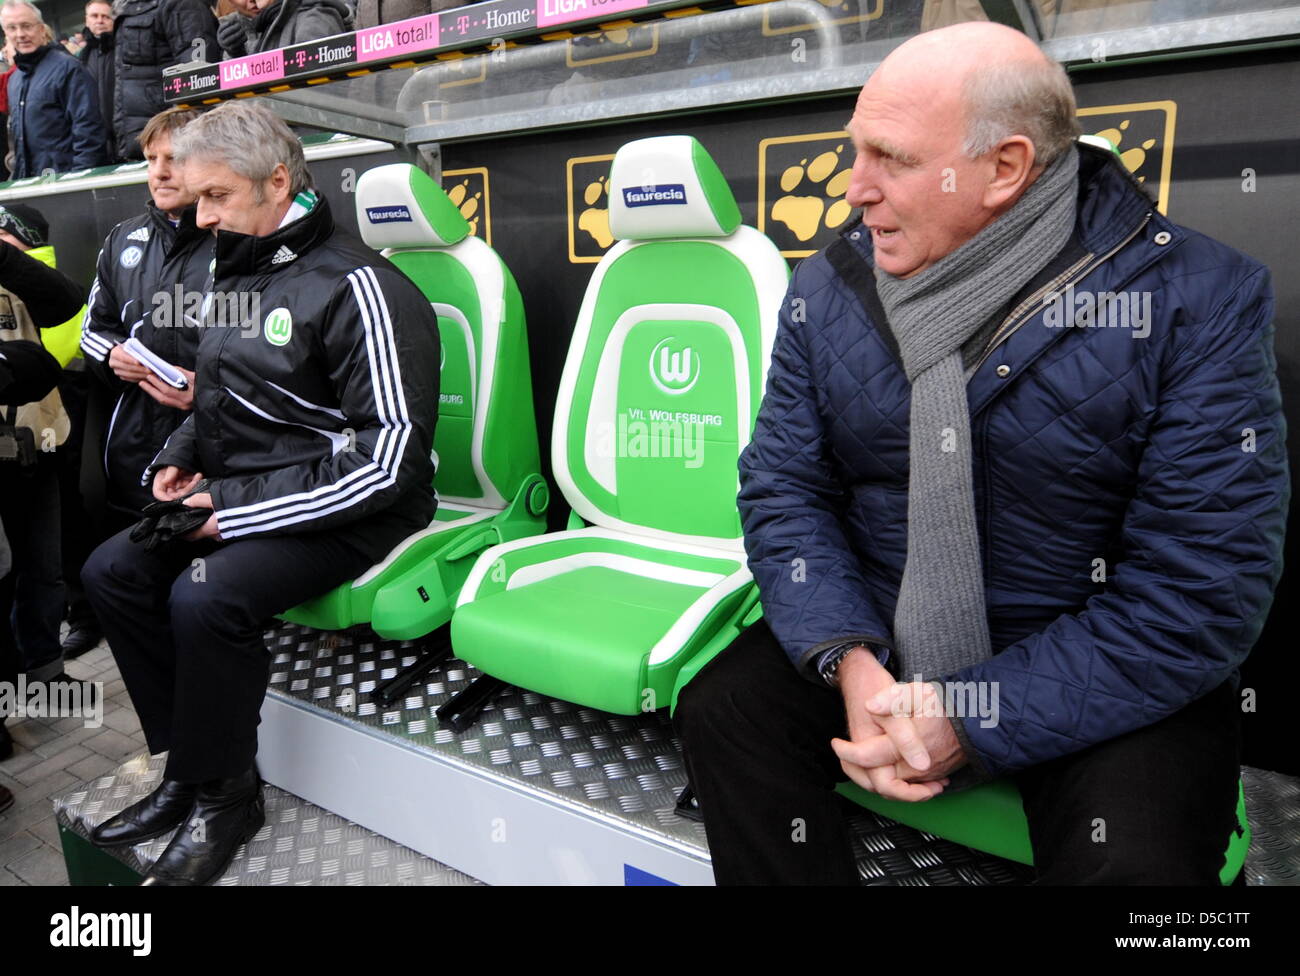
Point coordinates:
[[226, 813], [146, 819], [80, 640]]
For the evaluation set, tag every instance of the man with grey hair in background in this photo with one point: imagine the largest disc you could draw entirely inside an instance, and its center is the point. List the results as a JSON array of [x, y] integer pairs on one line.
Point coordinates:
[[1022, 450], [305, 460], [55, 119]]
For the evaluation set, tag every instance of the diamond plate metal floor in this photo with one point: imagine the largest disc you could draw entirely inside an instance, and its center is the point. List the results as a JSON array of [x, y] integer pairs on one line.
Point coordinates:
[[300, 844], [631, 767], [600, 765]]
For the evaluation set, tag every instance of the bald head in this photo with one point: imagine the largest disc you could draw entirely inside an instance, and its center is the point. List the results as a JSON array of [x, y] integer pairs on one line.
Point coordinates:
[[994, 79], [946, 56], [950, 130]]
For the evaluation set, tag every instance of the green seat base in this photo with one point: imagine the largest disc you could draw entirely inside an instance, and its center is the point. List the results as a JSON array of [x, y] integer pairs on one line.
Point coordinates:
[[579, 616], [991, 818], [414, 594]]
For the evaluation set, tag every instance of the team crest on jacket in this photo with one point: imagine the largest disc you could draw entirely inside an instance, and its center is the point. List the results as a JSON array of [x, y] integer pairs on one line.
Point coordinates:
[[131, 256], [278, 327]]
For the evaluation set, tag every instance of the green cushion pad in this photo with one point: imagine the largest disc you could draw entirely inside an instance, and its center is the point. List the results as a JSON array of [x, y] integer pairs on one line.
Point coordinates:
[[694, 491], [445, 280], [585, 635]]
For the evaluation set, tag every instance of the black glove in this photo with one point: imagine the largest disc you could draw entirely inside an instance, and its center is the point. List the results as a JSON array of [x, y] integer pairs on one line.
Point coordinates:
[[27, 372], [165, 522], [231, 36]]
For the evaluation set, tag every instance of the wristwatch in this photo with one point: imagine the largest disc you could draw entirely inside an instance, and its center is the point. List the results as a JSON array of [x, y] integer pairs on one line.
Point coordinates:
[[830, 666]]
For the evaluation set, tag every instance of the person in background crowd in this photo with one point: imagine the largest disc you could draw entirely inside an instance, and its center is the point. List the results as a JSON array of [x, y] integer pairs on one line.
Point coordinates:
[[77, 534], [256, 26], [132, 412], [290, 513], [9, 67], [97, 55], [74, 44], [373, 13], [54, 115], [152, 35], [27, 373], [33, 296]]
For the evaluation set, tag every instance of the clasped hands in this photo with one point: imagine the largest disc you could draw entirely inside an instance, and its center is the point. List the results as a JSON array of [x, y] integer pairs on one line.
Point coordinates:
[[900, 745]]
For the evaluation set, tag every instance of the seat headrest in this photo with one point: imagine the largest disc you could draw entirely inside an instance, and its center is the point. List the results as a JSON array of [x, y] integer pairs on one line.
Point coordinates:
[[1101, 142], [399, 205], [669, 186]]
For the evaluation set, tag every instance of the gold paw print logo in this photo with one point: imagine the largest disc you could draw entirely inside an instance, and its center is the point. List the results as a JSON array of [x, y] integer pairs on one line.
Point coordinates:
[[588, 200], [616, 44], [468, 190], [788, 21], [801, 186], [1134, 157], [455, 72], [594, 220], [803, 214], [1143, 135]]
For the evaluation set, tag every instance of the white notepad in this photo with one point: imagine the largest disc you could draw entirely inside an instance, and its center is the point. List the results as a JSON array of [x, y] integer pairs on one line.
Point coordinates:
[[164, 370]]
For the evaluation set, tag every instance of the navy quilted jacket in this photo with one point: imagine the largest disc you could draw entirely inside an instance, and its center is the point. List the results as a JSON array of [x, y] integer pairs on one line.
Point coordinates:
[[1131, 492]]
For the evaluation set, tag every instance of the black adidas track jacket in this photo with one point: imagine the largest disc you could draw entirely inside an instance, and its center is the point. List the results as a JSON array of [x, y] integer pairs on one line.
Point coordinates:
[[316, 412]]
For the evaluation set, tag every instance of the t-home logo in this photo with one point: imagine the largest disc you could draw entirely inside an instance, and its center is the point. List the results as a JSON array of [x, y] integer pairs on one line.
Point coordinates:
[[674, 371]]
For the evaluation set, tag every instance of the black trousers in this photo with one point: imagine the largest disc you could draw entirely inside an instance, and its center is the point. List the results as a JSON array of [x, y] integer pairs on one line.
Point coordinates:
[[32, 594], [1155, 806], [78, 529], [186, 624]]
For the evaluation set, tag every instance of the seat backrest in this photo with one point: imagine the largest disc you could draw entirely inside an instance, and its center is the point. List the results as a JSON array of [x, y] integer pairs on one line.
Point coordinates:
[[486, 439], [670, 352]]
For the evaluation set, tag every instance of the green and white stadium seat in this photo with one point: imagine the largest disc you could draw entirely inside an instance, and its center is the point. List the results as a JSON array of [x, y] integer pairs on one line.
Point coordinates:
[[485, 445], [991, 818], [664, 376]]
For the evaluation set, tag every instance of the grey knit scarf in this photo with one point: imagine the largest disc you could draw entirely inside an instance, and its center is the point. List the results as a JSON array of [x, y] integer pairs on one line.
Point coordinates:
[[940, 624]]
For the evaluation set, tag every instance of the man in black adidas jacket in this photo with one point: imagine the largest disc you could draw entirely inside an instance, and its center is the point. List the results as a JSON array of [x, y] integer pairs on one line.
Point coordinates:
[[142, 259], [310, 445], [130, 412]]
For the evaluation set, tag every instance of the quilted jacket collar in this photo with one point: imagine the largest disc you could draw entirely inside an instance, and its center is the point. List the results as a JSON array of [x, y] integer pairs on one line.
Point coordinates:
[[1112, 204], [243, 254]]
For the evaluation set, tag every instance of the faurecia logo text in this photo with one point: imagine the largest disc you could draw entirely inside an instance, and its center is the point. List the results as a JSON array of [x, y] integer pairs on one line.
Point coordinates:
[[387, 215], [653, 196]]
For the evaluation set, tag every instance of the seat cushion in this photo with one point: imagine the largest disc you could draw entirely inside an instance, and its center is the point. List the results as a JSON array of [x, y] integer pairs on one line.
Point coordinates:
[[593, 617]]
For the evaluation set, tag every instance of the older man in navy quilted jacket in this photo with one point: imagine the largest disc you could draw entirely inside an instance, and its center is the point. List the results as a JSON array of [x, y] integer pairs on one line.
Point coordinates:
[[1021, 450]]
